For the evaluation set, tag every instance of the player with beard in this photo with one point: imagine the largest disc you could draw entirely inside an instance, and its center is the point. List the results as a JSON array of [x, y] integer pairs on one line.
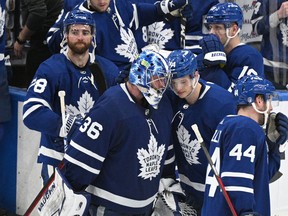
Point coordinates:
[[69, 72]]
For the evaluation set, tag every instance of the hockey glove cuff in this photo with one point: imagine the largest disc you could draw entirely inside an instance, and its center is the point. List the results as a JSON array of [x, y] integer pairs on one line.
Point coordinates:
[[213, 51], [71, 122]]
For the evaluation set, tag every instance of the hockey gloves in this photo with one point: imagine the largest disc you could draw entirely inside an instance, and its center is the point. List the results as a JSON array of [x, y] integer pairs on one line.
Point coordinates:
[[213, 51], [71, 122], [187, 11], [124, 74], [170, 6], [277, 129]]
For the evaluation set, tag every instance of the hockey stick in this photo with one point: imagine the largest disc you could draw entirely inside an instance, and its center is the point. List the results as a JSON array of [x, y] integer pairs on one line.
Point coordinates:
[[98, 77], [219, 180], [182, 32]]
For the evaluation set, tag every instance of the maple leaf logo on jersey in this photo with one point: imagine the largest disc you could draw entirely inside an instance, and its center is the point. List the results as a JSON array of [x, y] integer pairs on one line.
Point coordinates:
[[2, 21], [190, 148], [85, 103], [150, 160], [158, 35], [129, 48], [284, 31]]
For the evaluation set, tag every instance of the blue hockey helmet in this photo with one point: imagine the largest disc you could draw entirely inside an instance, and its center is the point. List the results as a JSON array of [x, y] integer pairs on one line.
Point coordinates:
[[147, 69], [248, 87], [225, 13], [182, 63], [79, 17]]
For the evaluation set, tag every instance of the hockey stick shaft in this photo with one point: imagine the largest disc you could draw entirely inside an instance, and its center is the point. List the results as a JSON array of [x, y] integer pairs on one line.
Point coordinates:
[[219, 180], [182, 32]]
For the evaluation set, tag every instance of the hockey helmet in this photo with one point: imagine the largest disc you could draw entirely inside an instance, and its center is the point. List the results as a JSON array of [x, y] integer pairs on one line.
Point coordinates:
[[225, 13], [147, 69], [248, 87], [80, 17], [182, 63]]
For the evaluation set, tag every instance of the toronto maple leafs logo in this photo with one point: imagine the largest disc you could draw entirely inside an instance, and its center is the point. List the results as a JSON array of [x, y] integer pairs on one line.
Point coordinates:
[[157, 34], [190, 148], [129, 48], [284, 31], [150, 160], [85, 103], [2, 20]]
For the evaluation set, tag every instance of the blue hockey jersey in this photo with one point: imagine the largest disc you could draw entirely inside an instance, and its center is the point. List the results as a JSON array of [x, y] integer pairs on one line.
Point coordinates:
[[121, 149], [239, 153], [213, 104], [41, 110], [241, 61], [114, 30]]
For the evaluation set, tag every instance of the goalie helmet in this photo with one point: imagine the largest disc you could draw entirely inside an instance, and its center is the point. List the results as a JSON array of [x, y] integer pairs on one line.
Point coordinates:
[[225, 13], [147, 71], [79, 17], [182, 63], [248, 87]]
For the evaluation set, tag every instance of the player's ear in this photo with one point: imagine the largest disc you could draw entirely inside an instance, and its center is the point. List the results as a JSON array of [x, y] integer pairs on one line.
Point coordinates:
[[259, 99]]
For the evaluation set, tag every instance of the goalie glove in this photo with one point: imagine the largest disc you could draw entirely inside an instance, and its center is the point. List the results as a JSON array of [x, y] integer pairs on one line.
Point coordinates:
[[171, 7], [213, 51], [276, 130], [71, 121]]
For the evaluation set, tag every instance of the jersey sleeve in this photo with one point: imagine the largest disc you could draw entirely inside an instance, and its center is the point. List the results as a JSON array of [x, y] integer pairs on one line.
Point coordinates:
[[38, 107]]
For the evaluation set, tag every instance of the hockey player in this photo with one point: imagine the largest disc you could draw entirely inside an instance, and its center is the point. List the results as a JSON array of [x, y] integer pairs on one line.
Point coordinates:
[[225, 20], [128, 130], [239, 152], [69, 72], [201, 103], [116, 22], [270, 20]]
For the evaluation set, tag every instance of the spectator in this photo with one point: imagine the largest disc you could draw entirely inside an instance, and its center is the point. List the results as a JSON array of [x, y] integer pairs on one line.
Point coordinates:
[[225, 20], [193, 105], [270, 20], [5, 107], [73, 73], [38, 16], [128, 129], [116, 22]]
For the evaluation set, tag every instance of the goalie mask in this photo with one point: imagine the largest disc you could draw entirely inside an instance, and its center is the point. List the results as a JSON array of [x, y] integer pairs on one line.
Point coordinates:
[[248, 87], [151, 74], [183, 63]]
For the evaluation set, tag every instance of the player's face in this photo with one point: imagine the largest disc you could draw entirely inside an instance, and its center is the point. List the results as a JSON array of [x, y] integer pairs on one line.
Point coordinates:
[[100, 5], [158, 83], [79, 38], [182, 86], [219, 30]]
